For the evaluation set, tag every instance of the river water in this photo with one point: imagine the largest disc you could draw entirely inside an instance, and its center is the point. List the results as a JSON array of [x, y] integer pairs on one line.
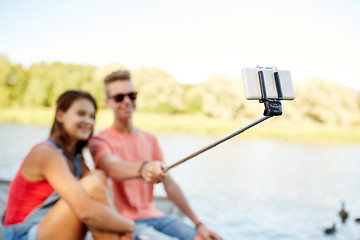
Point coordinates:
[[246, 189]]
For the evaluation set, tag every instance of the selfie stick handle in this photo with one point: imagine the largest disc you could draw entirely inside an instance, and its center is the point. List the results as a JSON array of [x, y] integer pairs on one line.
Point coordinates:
[[227, 137]]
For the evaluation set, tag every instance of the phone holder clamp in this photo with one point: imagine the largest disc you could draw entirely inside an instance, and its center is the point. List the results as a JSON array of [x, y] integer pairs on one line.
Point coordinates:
[[272, 105]]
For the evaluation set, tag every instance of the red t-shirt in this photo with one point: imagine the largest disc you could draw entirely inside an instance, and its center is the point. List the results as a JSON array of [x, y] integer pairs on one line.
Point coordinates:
[[133, 198], [25, 196]]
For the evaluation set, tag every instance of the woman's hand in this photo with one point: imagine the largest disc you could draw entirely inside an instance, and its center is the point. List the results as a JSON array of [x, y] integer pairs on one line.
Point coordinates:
[[127, 236]]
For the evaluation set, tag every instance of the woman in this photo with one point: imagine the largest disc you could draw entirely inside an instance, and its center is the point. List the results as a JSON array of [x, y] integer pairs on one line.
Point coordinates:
[[54, 195]]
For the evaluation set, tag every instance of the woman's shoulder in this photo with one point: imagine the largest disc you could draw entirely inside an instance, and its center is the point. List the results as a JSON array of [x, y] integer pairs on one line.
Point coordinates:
[[43, 152], [38, 157], [45, 147]]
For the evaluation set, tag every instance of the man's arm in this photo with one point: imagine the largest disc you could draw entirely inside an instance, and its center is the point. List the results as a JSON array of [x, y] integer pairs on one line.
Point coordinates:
[[176, 195], [122, 170]]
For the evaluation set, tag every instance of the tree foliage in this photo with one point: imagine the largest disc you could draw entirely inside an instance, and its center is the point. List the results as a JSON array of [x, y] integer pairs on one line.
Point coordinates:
[[220, 97], [328, 102], [6, 81], [158, 91], [317, 100]]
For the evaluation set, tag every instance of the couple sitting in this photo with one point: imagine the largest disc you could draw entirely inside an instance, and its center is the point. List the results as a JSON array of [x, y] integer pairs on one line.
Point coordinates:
[[55, 196]]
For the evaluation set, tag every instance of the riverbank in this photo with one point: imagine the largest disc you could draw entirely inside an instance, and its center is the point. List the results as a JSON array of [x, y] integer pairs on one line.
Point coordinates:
[[279, 128]]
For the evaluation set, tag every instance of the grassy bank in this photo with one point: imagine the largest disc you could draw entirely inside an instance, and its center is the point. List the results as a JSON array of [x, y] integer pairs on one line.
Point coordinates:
[[275, 128]]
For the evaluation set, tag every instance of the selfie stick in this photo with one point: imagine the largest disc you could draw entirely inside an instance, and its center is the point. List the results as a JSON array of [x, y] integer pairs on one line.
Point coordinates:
[[272, 108], [227, 137]]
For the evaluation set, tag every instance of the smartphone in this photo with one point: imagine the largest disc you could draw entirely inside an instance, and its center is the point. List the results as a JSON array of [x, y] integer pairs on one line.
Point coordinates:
[[252, 84]]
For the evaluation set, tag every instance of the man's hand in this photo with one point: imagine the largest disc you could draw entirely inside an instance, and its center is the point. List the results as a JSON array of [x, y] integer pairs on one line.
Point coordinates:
[[153, 172], [207, 234]]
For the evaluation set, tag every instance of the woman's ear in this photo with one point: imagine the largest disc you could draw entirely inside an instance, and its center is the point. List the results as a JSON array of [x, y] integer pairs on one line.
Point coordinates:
[[59, 116]]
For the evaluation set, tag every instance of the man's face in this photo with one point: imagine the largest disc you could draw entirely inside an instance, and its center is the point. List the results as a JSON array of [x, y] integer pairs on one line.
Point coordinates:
[[122, 109]]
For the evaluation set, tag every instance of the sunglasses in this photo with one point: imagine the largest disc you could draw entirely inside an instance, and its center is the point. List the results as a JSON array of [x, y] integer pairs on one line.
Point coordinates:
[[120, 97]]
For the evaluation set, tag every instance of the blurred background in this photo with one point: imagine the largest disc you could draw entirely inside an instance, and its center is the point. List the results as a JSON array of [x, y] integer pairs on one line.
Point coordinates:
[[186, 59]]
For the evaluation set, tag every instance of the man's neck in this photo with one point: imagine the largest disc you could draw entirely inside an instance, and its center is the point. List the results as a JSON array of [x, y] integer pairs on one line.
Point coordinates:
[[124, 126]]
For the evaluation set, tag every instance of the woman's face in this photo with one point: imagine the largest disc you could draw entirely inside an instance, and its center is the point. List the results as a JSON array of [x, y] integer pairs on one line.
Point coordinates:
[[78, 121]]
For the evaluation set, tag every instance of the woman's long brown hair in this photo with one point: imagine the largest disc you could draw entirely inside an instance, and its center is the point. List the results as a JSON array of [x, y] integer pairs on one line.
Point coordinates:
[[57, 131]]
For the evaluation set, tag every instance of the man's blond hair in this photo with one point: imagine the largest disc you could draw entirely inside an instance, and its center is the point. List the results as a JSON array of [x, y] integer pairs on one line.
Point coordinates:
[[120, 75]]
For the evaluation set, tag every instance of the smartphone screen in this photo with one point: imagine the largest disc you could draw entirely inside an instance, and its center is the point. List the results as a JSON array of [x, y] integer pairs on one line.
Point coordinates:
[[252, 84]]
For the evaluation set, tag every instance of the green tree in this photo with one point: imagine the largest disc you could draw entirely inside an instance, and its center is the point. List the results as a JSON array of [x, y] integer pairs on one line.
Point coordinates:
[[221, 97], [158, 91], [48, 81], [193, 100], [328, 102], [5, 81], [18, 82]]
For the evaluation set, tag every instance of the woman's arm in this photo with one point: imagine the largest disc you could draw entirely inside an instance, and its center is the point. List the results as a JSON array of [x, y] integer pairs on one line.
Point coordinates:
[[56, 171]]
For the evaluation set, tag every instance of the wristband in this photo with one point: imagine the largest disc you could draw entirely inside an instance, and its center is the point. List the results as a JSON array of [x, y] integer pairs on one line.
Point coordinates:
[[197, 225], [139, 175]]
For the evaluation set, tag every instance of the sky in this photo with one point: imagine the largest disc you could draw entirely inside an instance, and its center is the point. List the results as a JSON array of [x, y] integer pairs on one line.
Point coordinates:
[[190, 39]]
